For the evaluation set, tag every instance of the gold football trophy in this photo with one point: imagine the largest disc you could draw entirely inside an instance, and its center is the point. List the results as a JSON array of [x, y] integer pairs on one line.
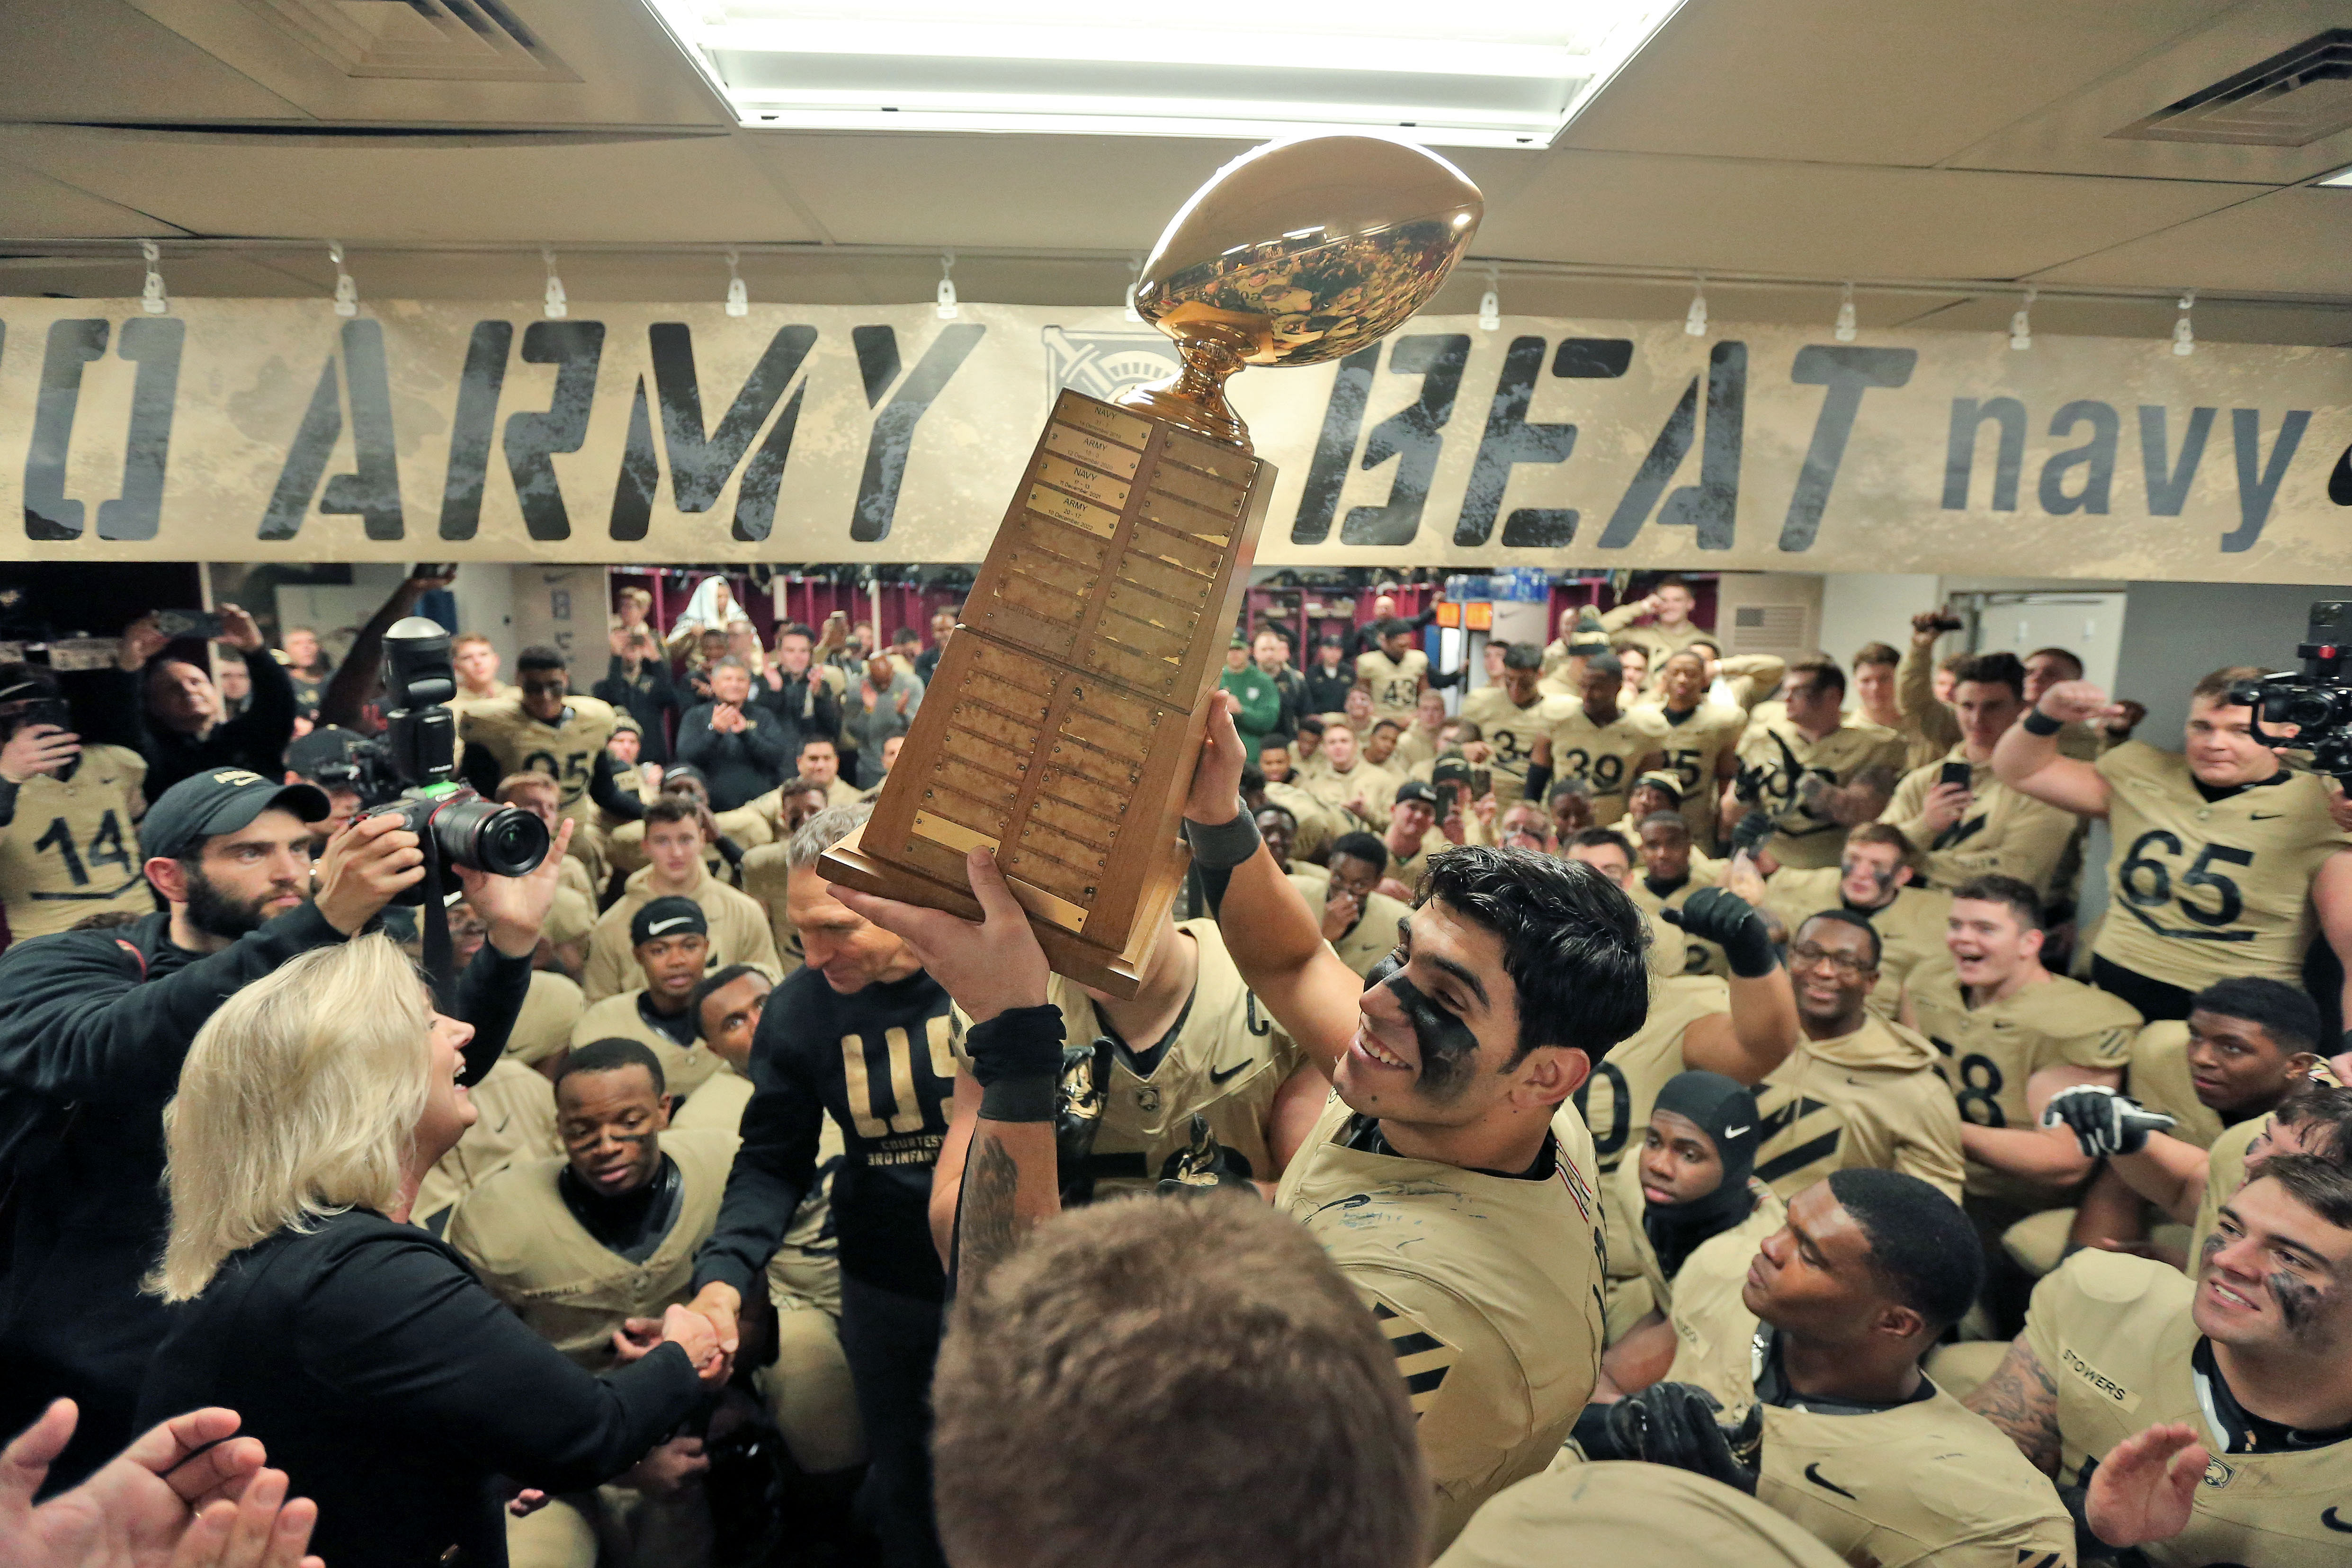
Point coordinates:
[[1061, 728]]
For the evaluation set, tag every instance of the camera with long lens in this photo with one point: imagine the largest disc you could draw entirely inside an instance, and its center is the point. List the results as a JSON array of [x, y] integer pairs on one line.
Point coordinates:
[[421, 738], [2316, 700]]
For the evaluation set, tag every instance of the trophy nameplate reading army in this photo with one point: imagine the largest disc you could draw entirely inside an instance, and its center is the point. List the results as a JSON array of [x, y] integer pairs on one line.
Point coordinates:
[[1062, 726]]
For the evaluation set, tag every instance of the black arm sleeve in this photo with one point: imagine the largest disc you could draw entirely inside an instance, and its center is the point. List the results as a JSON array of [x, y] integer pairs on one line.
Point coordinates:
[[773, 1169], [7, 802], [825, 711], [80, 1023], [604, 789], [491, 994], [1537, 783], [256, 738], [1451, 677], [106, 707], [478, 768], [402, 1329]]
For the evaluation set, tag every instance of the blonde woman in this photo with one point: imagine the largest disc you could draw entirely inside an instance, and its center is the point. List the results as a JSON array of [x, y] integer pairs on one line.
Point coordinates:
[[387, 1384]]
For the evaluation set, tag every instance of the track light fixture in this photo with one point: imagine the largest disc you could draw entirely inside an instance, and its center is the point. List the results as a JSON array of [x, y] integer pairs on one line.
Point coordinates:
[[2021, 325], [1695, 322], [2184, 336], [1844, 331], [947, 294], [347, 292], [559, 304], [738, 300], [152, 298]]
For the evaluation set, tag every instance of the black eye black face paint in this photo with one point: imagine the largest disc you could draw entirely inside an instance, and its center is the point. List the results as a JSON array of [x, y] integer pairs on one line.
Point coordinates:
[[1448, 1049], [2298, 1301]]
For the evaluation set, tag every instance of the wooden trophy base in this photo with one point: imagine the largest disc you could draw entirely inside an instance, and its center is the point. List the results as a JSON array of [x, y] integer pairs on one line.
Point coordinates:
[[1061, 728]]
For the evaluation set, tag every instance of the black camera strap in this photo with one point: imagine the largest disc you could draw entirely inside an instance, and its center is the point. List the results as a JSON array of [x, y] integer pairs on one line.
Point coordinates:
[[433, 926]]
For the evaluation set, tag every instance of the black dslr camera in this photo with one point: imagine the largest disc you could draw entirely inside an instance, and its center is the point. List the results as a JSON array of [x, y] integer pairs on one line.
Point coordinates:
[[2316, 700], [421, 737]]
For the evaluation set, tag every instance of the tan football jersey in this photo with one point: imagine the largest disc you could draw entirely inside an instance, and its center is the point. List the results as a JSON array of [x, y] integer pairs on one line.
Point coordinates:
[[1622, 1511], [2003, 831], [1929, 728], [1910, 928], [1715, 1333], [2115, 1333], [1988, 1053], [1225, 1062], [567, 1286], [1512, 732], [1488, 1288], [626, 844], [739, 933], [565, 751], [515, 1120], [1674, 951], [1805, 840], [1607, 757], [1748, 680], [1407, 868], [1930, 1483], [1395, 683], [1414, 748], [684, 1067], [2159, 1079], [2198, 892], [766, 879], [1871, 1098], [1373, 785], [1693, 742], [550, 1009], [1373, 936], [72, 848]]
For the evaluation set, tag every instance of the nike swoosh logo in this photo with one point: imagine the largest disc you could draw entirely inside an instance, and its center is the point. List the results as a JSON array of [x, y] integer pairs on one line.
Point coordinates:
[[1814, 1474], [2327, 1517], [660, 926], [1733, 1131], [2264, 815], [1220, 1075]]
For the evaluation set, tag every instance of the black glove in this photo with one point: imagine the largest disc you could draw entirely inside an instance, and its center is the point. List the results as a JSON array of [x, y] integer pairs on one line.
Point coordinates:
[[1753, 829], [1721, 916], [1674, 1424], [1204, 1166], [2103, 1121]]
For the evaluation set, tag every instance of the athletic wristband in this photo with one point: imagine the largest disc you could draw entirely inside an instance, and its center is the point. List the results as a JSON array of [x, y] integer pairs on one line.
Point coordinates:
[[2037, 722], [1020, 1100], [1222, 845], [1018, 1043]]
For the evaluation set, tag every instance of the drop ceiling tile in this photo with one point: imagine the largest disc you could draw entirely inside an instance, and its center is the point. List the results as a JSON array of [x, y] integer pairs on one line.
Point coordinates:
[[1863, 81], [2292, 242], [695, 188], [1823, 220], [100, 59], [35, 206]]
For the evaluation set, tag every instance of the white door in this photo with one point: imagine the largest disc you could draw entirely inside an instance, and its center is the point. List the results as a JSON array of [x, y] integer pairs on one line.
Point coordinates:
[[2088, 626]]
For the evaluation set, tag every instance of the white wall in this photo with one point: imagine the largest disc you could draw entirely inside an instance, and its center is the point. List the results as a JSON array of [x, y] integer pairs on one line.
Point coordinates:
[[1860, 607], [2175, 633]]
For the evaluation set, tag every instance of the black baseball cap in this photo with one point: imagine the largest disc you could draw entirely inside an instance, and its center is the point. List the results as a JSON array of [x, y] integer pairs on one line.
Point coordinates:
[[221, 800], [1414, 789], [669, 915], [325, 753]]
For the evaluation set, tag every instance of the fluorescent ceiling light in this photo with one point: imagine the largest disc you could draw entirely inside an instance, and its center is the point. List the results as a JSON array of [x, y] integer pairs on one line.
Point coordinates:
[[1511, 74]]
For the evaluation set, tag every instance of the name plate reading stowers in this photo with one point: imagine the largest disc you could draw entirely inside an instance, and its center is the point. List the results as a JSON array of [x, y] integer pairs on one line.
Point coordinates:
[[1061, 728]]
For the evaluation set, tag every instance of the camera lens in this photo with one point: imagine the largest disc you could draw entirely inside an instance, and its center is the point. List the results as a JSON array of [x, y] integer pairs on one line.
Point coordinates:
[[484, 835], [2309, 710]]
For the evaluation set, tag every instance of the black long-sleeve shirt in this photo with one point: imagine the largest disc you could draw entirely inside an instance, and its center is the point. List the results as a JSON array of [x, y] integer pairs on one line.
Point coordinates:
[[1326, 691], [93, 1027], [391, 1388], [111, 706], [897, 1033], [738, 766], [804, 703], [651, 697]]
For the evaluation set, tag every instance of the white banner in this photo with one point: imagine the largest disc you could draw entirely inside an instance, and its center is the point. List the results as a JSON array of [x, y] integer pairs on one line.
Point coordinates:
[[273, 430]]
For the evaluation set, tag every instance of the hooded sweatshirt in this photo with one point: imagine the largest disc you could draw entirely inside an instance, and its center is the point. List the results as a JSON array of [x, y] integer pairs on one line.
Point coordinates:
[[1869, 1098]]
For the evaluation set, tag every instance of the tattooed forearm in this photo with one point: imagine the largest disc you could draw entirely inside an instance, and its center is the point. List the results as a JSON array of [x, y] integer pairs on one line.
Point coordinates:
[[2020, 1399], [985, 1226]]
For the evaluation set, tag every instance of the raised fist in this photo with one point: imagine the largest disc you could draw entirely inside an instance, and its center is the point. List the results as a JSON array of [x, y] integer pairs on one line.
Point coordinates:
[[2102, 1121], [1723, 917]]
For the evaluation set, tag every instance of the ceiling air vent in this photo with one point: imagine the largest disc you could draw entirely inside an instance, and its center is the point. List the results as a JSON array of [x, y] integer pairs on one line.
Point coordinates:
[[418, 41], [2294, 97]]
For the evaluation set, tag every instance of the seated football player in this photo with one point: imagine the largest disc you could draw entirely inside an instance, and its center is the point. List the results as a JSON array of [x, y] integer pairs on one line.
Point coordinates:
[[1273, 759], [537, 794], [1358, 919], [2207, 1420], [2009, 1035], [2206, 1082], [1631, 1512], [1858, 1090], [1702, 1216], [1854, 1442], [1656, 791], [1672, 870], [766, 870], [1347, 783], [670, 941], [1412, 838], [1381, 745], [589, 1248], [1187, 1079], [1875, 877], [677, 836], [1444, 1177]]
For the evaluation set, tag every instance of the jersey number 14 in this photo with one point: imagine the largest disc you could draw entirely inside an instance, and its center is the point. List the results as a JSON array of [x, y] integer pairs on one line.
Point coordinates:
[[105, 848]]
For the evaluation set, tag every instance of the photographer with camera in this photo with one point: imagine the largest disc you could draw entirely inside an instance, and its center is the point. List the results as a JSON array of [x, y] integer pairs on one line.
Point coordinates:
[[160, 702], [94, 1024], [638, 682], [66, 812], [338, 763], [2219, 854]]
